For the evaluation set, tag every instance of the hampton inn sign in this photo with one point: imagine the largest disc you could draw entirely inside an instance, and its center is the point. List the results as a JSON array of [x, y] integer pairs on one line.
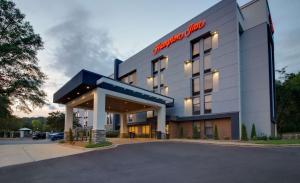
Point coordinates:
[[179, 36]]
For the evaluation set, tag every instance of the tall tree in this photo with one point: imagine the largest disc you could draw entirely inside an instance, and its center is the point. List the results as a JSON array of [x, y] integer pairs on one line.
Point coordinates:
[[288, 101], [37, 125], [20, 76], [56, 121]]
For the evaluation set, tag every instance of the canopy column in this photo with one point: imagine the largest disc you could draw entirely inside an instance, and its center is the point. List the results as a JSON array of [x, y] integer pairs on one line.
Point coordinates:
[[161, 121], [68, 120], [123, 125], [99, 118]]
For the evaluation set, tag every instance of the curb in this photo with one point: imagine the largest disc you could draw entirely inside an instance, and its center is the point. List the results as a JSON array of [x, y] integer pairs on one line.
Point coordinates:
[[243, 144]]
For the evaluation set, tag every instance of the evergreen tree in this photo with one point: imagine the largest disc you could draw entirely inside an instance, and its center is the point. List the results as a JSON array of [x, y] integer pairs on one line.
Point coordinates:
[[216, 133], [253, 132], [71, 138], [196, 134], [244, 133]]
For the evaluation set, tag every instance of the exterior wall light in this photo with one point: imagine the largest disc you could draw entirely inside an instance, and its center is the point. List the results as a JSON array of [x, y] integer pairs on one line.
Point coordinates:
[[149, 77], [187, 98], [213, 33], [187, 62], [214, 71]]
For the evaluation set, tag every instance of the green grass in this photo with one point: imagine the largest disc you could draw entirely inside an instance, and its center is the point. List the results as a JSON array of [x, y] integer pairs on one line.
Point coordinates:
[[278, 142], [100, 144]]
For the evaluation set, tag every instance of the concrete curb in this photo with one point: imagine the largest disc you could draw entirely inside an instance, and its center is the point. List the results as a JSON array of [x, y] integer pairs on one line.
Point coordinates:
[[232, 143]]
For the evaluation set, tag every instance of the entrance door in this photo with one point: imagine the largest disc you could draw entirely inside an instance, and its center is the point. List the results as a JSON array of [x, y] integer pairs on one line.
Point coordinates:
[[208, 129]]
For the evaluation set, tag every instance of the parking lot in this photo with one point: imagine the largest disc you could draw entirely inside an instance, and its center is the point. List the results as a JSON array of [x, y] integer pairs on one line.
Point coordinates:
[[165, 162]]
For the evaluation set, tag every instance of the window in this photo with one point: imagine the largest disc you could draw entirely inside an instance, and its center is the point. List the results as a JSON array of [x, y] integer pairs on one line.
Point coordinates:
[[129, 78], [215, 39], [163, 63], [208, 82], [159, 66], [196, 105], [196, 86], [146, 130], [207, 43], [155, 80], [196, 67], [133, 129], [125, 79], [130, 118], [195, 49], [207, 103], [150, 114], [207, 62], [162, 90], [208, 128], [162, 81], [216, 81], [155, 66]]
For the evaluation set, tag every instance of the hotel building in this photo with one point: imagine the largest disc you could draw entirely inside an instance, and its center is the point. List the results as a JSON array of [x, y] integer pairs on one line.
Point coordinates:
[[214, 71]]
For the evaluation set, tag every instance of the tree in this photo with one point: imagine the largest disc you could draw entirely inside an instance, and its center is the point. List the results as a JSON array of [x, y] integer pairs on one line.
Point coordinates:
[[56, 121], [70, 134], [196, 133], [216, 133], [288, 101], [20, 76], [37, 125], [253, 132], [244, 133]]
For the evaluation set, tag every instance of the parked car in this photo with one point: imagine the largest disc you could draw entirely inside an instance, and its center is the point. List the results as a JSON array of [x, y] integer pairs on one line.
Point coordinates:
[[56, 136], [38, 135]]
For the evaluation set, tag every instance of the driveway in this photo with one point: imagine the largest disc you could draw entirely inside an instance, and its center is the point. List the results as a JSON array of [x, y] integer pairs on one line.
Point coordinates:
[[16, 151], [165, 162]]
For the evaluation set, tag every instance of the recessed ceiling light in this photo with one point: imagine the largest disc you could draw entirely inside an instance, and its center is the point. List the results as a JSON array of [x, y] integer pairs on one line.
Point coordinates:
[[87, 87], [78, 93], [69, 98]]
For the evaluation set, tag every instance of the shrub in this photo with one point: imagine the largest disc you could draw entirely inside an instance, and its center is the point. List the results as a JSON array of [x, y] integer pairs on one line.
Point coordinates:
[[196, 134], [100, 144], [90, 136], [216, 133], [253, 132], [112, 134], [274, 138], [181, 133], [244, 133], [71, 138], [262, 137]]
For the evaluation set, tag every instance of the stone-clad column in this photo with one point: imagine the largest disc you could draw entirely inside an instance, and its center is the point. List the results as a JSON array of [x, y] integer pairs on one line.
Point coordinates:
[[68, 121], [98, 132], [161, 121], [123, 125]]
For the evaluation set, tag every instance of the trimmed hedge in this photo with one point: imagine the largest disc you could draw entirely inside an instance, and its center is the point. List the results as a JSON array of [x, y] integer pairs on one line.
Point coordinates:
[[112, 134]]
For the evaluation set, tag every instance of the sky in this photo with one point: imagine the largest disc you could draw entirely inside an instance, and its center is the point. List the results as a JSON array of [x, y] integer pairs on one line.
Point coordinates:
[[90, 34]]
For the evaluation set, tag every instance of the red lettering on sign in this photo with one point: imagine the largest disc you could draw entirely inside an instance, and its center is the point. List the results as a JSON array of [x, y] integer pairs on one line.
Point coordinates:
[[179, 36]]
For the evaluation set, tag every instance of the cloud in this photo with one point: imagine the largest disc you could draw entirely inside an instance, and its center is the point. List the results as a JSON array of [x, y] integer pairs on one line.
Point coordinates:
[[81, 46], [287, 50]]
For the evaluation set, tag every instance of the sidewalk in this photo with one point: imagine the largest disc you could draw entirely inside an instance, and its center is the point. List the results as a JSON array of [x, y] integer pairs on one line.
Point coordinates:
[[12, 154]]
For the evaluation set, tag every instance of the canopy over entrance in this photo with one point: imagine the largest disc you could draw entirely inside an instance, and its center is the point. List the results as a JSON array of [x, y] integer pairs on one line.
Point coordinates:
[[101, 94]]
